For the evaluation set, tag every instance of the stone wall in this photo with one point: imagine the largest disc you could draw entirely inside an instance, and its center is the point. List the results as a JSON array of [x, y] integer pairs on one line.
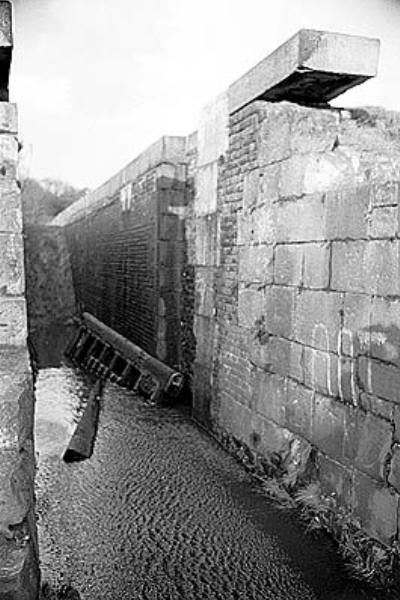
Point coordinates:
[[280, 299], [49, 290], [298, 331], [19, 576]]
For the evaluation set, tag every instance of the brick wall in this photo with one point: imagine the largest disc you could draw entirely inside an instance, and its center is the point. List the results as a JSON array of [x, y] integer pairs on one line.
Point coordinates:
[[19, 576], [129, 258], [298, 318], [113, 248]]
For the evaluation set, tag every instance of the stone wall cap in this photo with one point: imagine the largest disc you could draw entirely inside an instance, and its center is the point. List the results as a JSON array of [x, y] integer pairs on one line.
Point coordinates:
[[312, 67], [167, 149]]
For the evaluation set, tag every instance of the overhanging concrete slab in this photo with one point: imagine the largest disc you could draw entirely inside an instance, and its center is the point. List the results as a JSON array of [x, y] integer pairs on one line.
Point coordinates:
[[312, 67]]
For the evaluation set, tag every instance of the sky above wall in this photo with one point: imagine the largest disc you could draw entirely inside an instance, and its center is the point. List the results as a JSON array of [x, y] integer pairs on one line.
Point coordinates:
[[97, 81]]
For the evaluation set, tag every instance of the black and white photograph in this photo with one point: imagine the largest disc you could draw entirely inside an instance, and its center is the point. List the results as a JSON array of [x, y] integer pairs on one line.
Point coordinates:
[[200, 300]]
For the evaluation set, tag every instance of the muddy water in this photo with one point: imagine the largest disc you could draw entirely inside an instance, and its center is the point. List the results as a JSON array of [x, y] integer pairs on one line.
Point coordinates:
[[161, 511]]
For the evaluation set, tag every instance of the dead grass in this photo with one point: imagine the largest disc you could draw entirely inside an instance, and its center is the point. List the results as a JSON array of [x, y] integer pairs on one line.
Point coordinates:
[[365, 559]]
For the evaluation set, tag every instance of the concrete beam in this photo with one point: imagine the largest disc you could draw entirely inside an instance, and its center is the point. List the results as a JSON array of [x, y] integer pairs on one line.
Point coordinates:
[[312, 67], [6, 45]]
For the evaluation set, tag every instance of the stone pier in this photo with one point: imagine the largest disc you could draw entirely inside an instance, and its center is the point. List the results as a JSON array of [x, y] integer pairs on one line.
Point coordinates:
[[19, 574]]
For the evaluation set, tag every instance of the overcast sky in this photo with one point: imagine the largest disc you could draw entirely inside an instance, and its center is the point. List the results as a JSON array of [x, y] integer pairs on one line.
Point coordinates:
[[97, 81]]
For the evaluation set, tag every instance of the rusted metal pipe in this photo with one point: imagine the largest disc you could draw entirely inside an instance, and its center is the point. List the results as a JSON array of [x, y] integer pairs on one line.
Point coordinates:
[[166, 380]]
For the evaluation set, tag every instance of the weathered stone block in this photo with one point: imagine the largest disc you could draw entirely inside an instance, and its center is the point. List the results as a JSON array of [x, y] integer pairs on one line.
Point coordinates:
[[355, 337], [317, 319], [381, 165], [269, 395], [367, 443], [262, 227], [280, 311], [312, 130], [205, 292], [171, 254], [270, 183], [384, 331], [316, 265], [347, 213], [299, 409], [377, 406], [312, 66], [237, 419], [206, 250], [394, 475], [379, 379], [13, 506], [12, 281], [396, 420], [204, 330], [274, 134], [13, 323], [172, 228], [383, 222], [321, 371], [376, 507], [347, 380], [8, 156], [8, 118], [273, 439], [252, 185], [302, 220], [289, 264], [302, 265], [369, 267], [256, 264], [292, 176], [10, 206], [244, 227], [205, 201], [335, 480], [328, 426], [170, 278], [276, 354], [316, 174], [386, 194], [202, 393], [213, 135], [16, 405], [251, 307]]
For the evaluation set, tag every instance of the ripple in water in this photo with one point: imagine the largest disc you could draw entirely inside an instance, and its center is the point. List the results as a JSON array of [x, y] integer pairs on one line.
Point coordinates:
[[160, 511]]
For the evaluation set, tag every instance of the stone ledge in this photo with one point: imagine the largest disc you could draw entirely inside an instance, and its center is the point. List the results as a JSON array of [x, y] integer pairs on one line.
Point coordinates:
[[311, 67], [166, 150]]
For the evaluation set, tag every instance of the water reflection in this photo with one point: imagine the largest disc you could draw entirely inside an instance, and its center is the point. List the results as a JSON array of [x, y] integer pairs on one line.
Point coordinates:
[[61, 397]]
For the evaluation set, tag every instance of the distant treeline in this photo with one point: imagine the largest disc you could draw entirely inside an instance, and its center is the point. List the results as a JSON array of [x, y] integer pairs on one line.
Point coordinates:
[[43, 199]]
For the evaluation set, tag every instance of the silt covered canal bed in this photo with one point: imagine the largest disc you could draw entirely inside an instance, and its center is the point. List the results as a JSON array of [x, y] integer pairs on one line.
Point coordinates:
[[160, 510]]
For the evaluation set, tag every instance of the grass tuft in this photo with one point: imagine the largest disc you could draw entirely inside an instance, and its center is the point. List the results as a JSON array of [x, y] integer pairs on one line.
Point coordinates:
[[365, 559]]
